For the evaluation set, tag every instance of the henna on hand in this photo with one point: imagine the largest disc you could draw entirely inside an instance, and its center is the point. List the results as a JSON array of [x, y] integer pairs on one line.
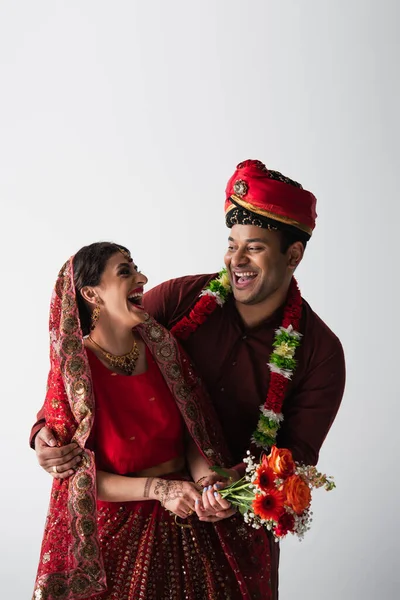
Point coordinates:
[[172, 490], [147, 487], [168, 490], [158, 489]]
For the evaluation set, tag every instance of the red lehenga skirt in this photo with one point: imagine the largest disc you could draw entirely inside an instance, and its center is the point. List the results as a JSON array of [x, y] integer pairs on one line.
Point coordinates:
[[147, 555]]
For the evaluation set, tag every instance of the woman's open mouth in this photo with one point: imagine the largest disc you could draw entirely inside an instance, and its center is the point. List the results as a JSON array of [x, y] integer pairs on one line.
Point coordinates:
[[135, 297]]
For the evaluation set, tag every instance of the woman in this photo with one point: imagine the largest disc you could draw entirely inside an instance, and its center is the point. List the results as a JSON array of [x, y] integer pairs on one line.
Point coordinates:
[[128, 524]]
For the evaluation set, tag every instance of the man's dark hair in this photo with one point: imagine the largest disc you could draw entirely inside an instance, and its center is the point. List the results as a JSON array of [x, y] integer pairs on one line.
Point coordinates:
[[289, 237]]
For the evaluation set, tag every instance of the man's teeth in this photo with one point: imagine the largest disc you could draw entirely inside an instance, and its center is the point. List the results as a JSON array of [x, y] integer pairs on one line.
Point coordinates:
[[245, 275]]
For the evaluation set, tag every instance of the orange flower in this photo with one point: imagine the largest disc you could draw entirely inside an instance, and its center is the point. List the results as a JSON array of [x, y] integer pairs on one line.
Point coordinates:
[[265, 477], [270, 505], [298, 494], [281, 461]]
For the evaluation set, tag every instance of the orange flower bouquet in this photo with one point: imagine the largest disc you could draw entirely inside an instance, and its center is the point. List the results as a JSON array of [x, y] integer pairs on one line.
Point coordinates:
[[276, 493]]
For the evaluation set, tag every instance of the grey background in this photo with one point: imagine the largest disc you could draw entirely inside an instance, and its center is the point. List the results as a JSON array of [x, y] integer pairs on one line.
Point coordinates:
[[123, 121]]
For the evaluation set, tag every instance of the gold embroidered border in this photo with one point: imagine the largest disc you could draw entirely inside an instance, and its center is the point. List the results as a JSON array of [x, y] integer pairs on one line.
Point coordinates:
[[269, 215]]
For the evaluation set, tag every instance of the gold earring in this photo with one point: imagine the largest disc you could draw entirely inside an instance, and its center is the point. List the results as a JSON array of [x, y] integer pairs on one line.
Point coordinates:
[[95, 316]]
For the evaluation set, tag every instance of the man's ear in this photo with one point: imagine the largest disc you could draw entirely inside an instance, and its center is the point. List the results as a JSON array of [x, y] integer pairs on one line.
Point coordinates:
[[295, 255], [90, 295]]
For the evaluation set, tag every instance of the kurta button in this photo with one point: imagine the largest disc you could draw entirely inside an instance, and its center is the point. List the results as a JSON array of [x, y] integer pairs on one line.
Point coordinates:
[[222, 389], [244, 337], [234, 363]]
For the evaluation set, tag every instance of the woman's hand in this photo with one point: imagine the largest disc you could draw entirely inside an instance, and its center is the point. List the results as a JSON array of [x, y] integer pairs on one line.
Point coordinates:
[[213, 507], [213, 478], [179, 497]]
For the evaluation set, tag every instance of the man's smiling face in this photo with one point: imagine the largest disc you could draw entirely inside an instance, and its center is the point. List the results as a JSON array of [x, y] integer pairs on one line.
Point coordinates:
[[255, 262]]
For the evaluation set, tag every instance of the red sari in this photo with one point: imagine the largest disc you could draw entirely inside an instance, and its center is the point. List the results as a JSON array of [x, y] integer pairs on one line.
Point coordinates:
[[134, 550]]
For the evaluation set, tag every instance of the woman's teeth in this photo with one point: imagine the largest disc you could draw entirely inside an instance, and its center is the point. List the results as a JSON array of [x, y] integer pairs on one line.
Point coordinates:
[[135, 298]]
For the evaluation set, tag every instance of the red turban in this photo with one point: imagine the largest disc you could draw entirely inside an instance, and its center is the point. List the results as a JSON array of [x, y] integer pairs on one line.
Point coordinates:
[[270, 195]]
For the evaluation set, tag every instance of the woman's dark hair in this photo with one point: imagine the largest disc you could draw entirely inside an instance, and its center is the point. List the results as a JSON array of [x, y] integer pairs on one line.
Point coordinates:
[[89, 264]]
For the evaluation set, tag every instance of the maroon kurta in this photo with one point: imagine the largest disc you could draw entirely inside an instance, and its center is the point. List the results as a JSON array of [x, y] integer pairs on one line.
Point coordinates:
[[232, 361]]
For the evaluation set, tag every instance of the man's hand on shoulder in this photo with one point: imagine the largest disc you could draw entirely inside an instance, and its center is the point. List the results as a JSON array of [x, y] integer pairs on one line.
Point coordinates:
[[59, 462]]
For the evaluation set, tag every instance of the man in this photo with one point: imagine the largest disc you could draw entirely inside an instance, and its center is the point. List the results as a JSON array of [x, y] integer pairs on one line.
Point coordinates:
[[271, 219]]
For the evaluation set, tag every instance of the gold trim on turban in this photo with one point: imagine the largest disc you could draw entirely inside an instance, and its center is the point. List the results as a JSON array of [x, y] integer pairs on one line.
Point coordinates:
[[266, 213]]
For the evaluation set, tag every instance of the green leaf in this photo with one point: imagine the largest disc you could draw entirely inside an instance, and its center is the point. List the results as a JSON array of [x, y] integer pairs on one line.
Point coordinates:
[[283, 363], [287, 338], [220, 471], [263, 440], [267, 426]]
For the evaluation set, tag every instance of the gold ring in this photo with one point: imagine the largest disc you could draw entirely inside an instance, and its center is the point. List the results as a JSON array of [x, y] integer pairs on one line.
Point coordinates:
[[189, 513], [55, 469]]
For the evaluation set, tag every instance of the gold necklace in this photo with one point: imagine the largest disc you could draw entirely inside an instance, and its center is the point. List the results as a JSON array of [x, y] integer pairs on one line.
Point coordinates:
[[125, 363]]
